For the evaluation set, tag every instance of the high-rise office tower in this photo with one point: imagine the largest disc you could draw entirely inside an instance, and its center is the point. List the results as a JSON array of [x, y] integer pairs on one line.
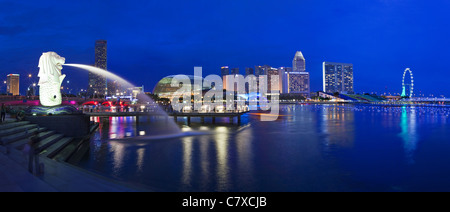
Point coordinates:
[[249, 71], [224, 71], [283, 79], [298, 63], [97, 83], [234, 71], [297, 80], [261, 70], [12, 84], [337, 77], [274, 79]]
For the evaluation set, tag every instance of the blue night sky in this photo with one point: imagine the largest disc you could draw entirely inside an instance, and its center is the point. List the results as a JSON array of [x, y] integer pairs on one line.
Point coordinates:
[[148, 40]]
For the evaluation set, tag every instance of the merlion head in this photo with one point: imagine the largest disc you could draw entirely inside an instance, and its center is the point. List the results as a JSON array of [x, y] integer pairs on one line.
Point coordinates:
[[50, 78], [50, 63]]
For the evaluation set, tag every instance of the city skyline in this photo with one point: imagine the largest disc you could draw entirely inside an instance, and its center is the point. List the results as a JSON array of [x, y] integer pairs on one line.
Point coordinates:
[[223, 98], [393, 42]]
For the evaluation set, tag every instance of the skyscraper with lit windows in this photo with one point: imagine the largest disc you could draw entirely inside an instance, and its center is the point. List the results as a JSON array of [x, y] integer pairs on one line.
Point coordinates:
[[298, 63], [249, 71], [234, 71], [274, 80], [97, 83], [224, 71], [338, 77], [297, 83], [12, 84], [298, 80]]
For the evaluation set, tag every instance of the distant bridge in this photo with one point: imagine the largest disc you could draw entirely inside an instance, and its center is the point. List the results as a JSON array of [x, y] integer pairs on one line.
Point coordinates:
[[427, 99]]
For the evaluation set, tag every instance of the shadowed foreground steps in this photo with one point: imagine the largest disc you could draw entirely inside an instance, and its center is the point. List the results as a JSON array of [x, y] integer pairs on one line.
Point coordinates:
[[56, 152]]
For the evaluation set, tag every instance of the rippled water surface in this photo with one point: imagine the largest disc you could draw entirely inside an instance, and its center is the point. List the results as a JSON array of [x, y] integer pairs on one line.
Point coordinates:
[[309, 148]]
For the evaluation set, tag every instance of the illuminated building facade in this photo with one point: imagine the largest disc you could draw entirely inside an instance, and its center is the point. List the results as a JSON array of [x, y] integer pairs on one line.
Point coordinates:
[[12, 84], [224, 71], [164, 89], [298, 63], [234, 71], [338, 77], [297, 80], [97, 83], [274, 79], [249, 71]]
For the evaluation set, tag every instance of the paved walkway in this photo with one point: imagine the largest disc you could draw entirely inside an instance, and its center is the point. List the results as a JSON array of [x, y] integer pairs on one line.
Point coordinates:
[[15, 178]]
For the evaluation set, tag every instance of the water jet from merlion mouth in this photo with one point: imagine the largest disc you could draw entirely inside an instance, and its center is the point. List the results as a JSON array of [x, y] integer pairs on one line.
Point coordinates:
[[162, 124]]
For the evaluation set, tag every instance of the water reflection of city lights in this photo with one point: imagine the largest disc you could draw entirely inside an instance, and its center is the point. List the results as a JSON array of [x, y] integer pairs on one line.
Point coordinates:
[[140, 158], [113, 136], [222, 129], [204, 128], [118, 157], [222, 158], [186, 129], [187, 160]]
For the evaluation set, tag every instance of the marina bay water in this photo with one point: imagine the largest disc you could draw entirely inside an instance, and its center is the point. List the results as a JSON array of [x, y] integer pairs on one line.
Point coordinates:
[[309, 148]]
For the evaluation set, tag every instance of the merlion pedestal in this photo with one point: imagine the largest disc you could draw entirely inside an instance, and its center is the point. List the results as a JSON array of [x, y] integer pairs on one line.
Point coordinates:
[[50, 78]]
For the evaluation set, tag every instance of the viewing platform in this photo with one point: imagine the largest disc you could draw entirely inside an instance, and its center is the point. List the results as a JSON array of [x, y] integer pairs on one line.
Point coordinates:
[[213, 116], [175, 115]]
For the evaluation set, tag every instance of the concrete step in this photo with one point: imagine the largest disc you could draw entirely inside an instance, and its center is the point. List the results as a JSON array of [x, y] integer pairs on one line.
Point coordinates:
[[80, 152], [67, 151], [17, 129], [8, 125], [20, 135], [21, 143], [44, 144], [93, 127], [57, 147]]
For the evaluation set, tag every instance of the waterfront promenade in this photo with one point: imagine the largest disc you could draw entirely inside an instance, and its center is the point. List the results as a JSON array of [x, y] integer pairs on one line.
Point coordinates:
[[56, 176], [15, 178], [175, 115]]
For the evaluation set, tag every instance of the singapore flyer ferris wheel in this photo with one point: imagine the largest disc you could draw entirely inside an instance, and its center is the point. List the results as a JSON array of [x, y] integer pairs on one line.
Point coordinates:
[[407, 85]]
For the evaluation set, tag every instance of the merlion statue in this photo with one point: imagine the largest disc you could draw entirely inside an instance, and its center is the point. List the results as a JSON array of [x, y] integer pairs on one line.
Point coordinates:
[[50, 78]]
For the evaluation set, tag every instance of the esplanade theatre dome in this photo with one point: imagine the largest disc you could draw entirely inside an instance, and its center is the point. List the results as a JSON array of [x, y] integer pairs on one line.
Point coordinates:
[[164, 90]]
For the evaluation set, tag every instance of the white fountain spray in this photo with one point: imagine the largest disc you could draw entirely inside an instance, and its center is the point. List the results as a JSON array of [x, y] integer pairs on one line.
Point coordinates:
[[172, 128]]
